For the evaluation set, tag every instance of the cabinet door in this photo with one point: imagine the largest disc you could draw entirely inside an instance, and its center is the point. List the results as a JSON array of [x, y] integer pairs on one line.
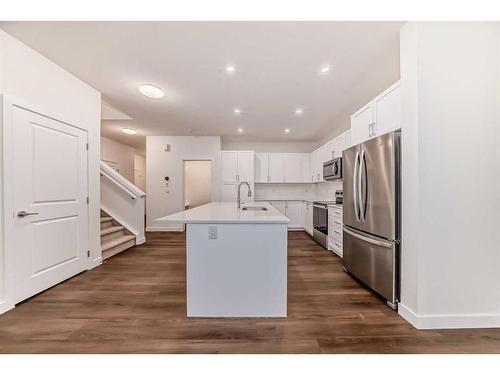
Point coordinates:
[[246, 166], [310, 217], [387, 110], [323, 155], [360, 124], [291, 164], [261, 167], [229, 161], [276, 168], [305, 168], [313, 166], [228, 192], [293, 212]]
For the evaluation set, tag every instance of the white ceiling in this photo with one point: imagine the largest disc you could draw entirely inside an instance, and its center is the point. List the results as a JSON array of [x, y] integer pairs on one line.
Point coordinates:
[[277, 71]]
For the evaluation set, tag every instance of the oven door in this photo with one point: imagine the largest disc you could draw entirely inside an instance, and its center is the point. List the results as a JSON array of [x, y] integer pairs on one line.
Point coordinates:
[[320, 219]]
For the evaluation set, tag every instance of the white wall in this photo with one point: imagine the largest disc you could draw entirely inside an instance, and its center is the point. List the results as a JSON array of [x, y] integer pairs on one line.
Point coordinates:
[[123, 155], [29, 77], [163, 200], [271, 146], [140, 172], [451, 174], [197, 182]]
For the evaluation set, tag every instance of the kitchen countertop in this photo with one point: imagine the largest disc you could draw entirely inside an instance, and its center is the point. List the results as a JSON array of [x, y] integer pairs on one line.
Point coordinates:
[[227, 212]]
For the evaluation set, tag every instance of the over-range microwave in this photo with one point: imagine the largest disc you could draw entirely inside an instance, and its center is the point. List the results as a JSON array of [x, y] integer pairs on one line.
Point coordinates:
[[332, 169]]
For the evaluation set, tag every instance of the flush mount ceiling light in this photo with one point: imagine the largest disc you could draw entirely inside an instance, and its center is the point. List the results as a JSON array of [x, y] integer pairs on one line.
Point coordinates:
[[299, 111], [129, 131], [240, 130], [287, 130], [230, 69], [151, 91], [325, 69], [237, 111]]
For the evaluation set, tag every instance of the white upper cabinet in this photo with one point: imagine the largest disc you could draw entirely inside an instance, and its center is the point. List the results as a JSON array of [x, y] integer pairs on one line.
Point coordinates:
[[276, 168], [361, 123], [380, 116], [229, 161], [246, 168], [261, 167], [292, 167], [387, 110], [305, 167], [237, 166]]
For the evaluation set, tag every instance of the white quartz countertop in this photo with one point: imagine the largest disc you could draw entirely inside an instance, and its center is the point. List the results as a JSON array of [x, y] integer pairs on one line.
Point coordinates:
[[227, 212]]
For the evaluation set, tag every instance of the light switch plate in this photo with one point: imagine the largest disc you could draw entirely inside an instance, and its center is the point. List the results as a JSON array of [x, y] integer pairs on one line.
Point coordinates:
[[212, 232]]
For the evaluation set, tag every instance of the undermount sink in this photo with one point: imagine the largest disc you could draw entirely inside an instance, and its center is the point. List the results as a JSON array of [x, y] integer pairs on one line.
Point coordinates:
[[254, 208]]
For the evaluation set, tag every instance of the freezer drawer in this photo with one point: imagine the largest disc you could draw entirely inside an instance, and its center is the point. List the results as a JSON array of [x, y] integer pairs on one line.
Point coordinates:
[[373, 261]]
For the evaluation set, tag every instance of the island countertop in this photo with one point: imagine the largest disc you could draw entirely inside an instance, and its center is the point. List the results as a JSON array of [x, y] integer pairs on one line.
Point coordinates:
[[227, 212]]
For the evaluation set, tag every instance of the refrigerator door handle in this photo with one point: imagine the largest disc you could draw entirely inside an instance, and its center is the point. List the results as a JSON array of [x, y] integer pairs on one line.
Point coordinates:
[[355, 186], [362, 189], [367, 239]]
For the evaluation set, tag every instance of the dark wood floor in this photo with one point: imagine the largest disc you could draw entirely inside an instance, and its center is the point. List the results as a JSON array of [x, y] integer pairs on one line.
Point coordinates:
[[135, 303]]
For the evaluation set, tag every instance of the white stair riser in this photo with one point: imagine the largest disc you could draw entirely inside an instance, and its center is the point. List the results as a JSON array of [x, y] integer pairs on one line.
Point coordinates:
[[115, 250], [112, 236]]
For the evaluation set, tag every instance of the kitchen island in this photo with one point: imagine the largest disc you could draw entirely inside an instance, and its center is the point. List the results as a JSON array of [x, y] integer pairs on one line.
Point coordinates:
[[236, 260]]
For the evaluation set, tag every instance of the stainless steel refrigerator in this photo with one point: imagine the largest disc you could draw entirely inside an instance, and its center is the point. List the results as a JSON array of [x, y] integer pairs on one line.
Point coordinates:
[[371, 209]]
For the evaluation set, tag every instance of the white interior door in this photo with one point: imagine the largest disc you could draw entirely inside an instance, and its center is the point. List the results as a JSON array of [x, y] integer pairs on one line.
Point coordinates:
[[50, 218]]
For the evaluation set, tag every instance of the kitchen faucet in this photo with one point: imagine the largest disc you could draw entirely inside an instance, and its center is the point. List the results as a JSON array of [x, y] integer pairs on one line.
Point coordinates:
[[239, 195]]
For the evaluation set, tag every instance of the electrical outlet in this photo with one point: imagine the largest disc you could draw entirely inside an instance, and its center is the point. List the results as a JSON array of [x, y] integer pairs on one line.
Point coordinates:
[[212, 232]]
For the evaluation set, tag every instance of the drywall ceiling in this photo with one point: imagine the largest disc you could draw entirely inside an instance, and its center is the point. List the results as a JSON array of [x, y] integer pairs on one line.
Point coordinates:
[[277, 70]]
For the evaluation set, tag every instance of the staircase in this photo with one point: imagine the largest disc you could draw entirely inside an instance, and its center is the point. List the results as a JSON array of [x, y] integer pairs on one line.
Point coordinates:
[[114, 237]]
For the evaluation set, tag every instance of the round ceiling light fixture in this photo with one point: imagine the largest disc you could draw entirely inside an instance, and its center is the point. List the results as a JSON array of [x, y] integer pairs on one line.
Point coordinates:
[[151, 91], [299, 111], [230, 69], [129, 131], [287, 130], [237, 111], [240, 130], [325, 69]]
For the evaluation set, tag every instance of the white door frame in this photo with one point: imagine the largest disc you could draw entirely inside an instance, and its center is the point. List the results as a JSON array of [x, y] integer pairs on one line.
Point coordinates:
[[7, 192]]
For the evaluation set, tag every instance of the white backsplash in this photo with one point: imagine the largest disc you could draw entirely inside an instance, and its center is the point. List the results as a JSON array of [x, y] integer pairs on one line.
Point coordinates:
[[324, 191]]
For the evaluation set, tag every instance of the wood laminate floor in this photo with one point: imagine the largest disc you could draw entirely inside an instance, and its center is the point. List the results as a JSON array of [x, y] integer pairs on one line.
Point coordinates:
[[135, 303]]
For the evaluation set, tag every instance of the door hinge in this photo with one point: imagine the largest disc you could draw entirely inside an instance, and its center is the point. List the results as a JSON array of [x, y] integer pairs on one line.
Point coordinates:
[[88, 200], [87, 146], [88, 253]]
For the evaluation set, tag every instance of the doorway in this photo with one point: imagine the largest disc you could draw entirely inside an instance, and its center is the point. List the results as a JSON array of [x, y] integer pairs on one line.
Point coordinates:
[[197, 183]]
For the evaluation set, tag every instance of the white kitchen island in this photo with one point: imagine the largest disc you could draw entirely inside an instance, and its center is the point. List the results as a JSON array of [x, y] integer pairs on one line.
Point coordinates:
[[236, 260]]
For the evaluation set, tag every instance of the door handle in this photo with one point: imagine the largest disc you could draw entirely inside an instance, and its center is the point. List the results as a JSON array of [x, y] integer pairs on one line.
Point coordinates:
[[354, 186], [24, 213], [362, 187], [369, 240]]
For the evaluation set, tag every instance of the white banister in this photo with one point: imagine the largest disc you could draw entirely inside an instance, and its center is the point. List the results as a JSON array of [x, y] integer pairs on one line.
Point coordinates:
[[123, 201]]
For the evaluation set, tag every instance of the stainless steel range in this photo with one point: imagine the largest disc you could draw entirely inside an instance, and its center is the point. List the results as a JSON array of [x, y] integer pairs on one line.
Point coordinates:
[[320, 222]]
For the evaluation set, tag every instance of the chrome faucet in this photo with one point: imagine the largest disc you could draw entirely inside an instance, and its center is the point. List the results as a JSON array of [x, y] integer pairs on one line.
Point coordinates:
[[239, 194]]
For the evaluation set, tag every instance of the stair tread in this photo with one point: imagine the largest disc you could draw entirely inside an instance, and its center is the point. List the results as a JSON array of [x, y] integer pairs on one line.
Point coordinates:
[[116, 241], [113, 229], [105, 219]]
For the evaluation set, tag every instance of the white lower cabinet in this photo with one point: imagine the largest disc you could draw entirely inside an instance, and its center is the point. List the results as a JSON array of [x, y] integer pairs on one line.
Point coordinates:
[[280, 206], [335, 229], [294, 213], [308, 217]]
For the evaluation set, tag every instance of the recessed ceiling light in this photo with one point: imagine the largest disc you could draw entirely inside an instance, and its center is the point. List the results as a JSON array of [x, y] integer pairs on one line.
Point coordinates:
[[237, 111], [240, 130], [299, 111], [325, 69], [287, 130], [151, 91], [130, 131], [230, 69]]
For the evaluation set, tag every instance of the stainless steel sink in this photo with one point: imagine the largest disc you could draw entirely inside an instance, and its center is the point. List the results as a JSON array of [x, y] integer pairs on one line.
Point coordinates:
[[254, 208]]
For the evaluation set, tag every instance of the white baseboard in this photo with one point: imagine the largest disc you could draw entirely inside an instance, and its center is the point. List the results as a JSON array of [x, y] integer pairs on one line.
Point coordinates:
[[4, 307], [165, 229], [139, 241], [448, 321], [94, 263]]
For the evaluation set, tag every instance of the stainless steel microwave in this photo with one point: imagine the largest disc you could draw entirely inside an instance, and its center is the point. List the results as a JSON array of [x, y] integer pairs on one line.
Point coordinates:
[[332, 169]]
